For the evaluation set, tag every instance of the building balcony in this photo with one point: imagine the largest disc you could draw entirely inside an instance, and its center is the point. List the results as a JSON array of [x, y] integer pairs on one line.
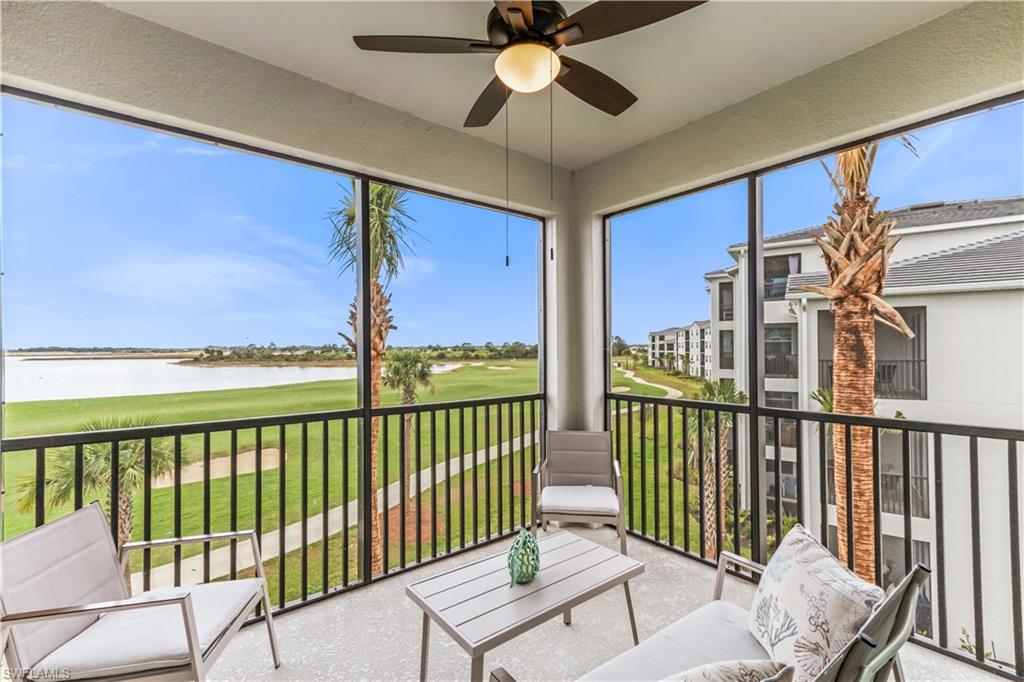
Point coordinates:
[[894, 379], [781, 366]]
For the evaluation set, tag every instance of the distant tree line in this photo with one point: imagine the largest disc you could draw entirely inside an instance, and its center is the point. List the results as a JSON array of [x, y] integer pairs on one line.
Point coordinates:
[[514, 350]]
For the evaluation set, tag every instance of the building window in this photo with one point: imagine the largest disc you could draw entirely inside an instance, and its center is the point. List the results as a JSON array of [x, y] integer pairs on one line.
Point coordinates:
[[785, 400], [725, 301], [726, 359], [777, 270]]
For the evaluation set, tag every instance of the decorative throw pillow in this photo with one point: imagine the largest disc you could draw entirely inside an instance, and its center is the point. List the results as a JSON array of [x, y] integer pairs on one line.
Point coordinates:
[[808, 605], [737, 671]]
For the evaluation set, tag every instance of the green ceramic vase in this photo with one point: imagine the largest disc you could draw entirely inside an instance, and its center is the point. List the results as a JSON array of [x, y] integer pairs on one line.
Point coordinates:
[[523, 558]]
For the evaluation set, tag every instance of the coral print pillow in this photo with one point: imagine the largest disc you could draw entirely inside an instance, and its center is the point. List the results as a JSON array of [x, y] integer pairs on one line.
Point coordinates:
[[808, 606]]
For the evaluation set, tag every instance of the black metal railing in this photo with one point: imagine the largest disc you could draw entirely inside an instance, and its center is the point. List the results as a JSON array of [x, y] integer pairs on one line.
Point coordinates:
[[679, 495], [781, 365], [900, 379], [449, 476]]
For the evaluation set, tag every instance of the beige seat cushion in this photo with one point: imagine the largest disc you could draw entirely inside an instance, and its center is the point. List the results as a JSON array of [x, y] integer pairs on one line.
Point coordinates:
[[714, 632], [128, 642], [579, 499]]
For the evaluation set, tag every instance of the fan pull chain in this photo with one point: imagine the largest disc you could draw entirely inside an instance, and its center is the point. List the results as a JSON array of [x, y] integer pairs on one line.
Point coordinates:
[[507, 100], [551, 128]]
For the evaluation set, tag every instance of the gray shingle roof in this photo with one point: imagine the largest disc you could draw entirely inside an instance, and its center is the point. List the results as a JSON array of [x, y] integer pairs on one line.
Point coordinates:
[[998, 259], [936, 213]]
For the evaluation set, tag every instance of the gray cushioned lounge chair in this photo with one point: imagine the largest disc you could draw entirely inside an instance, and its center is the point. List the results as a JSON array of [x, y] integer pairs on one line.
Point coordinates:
[[67, 614], [718, 631], [579, 481]]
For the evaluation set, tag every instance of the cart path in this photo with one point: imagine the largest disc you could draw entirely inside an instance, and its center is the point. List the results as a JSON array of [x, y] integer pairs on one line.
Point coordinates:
[[671, 393], [220, 558]]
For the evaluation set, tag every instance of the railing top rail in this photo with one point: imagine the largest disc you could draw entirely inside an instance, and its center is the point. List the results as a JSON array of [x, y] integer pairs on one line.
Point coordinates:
[[18, 443], [992, 432]]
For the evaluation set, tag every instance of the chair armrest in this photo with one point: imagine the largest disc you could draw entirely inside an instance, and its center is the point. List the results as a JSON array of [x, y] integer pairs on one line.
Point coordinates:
[[140, 602], [191, 539], [729, 560], [501, 675]]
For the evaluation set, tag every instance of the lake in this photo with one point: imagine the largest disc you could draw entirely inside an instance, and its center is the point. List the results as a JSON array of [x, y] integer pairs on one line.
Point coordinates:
[[51, 379]]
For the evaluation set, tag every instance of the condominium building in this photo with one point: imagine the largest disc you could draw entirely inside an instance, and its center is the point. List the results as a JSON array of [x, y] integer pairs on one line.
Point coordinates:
[[686, 349], [957, 278]]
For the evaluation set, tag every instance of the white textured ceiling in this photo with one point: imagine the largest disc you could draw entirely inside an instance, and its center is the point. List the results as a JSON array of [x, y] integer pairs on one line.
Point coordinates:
[[681, 69]]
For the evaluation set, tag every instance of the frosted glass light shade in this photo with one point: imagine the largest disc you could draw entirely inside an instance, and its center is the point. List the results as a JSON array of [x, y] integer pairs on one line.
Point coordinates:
[[527, 67]]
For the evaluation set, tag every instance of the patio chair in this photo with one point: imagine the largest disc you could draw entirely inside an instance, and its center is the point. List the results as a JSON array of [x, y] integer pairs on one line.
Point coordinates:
[[719, 632], [579, 481], [67, 614]]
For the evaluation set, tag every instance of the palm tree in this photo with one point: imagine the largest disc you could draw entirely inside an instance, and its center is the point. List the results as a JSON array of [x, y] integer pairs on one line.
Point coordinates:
[[96, 473], [390, 236], [405, 371], [722, 391], [856, 244]]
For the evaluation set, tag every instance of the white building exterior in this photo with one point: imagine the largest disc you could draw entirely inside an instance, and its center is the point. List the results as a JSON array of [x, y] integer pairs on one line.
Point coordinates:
[[687, 349], [957, 276]]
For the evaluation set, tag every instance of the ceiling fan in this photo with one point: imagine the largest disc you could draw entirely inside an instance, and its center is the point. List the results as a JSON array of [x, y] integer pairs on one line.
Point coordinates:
[[526, 36]]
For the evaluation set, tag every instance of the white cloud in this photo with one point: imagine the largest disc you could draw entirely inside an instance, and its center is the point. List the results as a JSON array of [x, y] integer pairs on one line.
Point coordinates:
[[199, 150], [22, 161], [415, 269]]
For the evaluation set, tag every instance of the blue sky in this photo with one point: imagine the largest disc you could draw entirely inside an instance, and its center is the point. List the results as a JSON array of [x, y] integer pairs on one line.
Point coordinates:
[[659, 254], [120, 236]]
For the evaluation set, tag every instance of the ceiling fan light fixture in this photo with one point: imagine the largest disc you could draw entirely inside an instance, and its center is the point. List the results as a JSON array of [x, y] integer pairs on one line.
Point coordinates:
[[527, 66]]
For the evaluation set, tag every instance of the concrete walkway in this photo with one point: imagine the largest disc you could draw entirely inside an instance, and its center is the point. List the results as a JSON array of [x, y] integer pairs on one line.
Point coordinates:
[[220, 558]]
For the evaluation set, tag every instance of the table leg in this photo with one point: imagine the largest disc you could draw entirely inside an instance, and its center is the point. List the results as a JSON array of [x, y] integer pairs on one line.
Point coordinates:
[[632, 616], [567, 617], [424, 647], [476, 673]]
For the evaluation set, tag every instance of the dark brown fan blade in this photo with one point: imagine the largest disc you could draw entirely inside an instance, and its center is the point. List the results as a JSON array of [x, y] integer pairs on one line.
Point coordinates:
[[612, 17], [594, 87], [423, 44], [488, 104], [525, 7]]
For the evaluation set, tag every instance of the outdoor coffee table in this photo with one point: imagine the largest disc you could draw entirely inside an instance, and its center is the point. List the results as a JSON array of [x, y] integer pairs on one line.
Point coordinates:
[[476, 607]]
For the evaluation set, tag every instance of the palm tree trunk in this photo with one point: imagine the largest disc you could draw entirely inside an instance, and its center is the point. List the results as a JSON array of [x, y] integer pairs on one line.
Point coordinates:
[[125, 525], [379, 327], [710, 510], [853, 383], [725, 469], [408, 398]]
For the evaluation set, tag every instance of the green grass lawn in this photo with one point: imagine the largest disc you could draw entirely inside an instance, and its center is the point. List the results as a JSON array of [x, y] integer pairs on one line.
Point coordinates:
[[471, 381], [690, 386]]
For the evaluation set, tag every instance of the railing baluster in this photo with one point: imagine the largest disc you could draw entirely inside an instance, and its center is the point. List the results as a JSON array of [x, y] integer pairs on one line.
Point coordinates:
[[385, 506], [798, 427], [344, 500], [686, 478], [487, 470], [823, 427], [419, 489], [325, 504], [849, 497], [908, 534], [522, 463], [719, 501], [657, 481], [979, 614], [258, 512], [940, 543], [876, 495], [501, 507], [433, 484], [777, 469], [234, 502], [304, 511], [736, 485], [281, 514], [403, 489], [115, 488], [511, 470], [630, 490], [462, 478], [476, 483], [177, 507], [207, 500], [701, 493], [447, 482], [1013, 498], [80, 475], [643, 469], [147, 505], [670, 441]]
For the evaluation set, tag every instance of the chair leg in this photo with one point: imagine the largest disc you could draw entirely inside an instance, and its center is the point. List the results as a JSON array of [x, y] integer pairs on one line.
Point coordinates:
[[621, 527], [271, 632], [897, 669]]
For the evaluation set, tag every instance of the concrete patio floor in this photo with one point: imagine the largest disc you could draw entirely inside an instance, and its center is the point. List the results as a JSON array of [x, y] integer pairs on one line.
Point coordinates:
[[374, 633]]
